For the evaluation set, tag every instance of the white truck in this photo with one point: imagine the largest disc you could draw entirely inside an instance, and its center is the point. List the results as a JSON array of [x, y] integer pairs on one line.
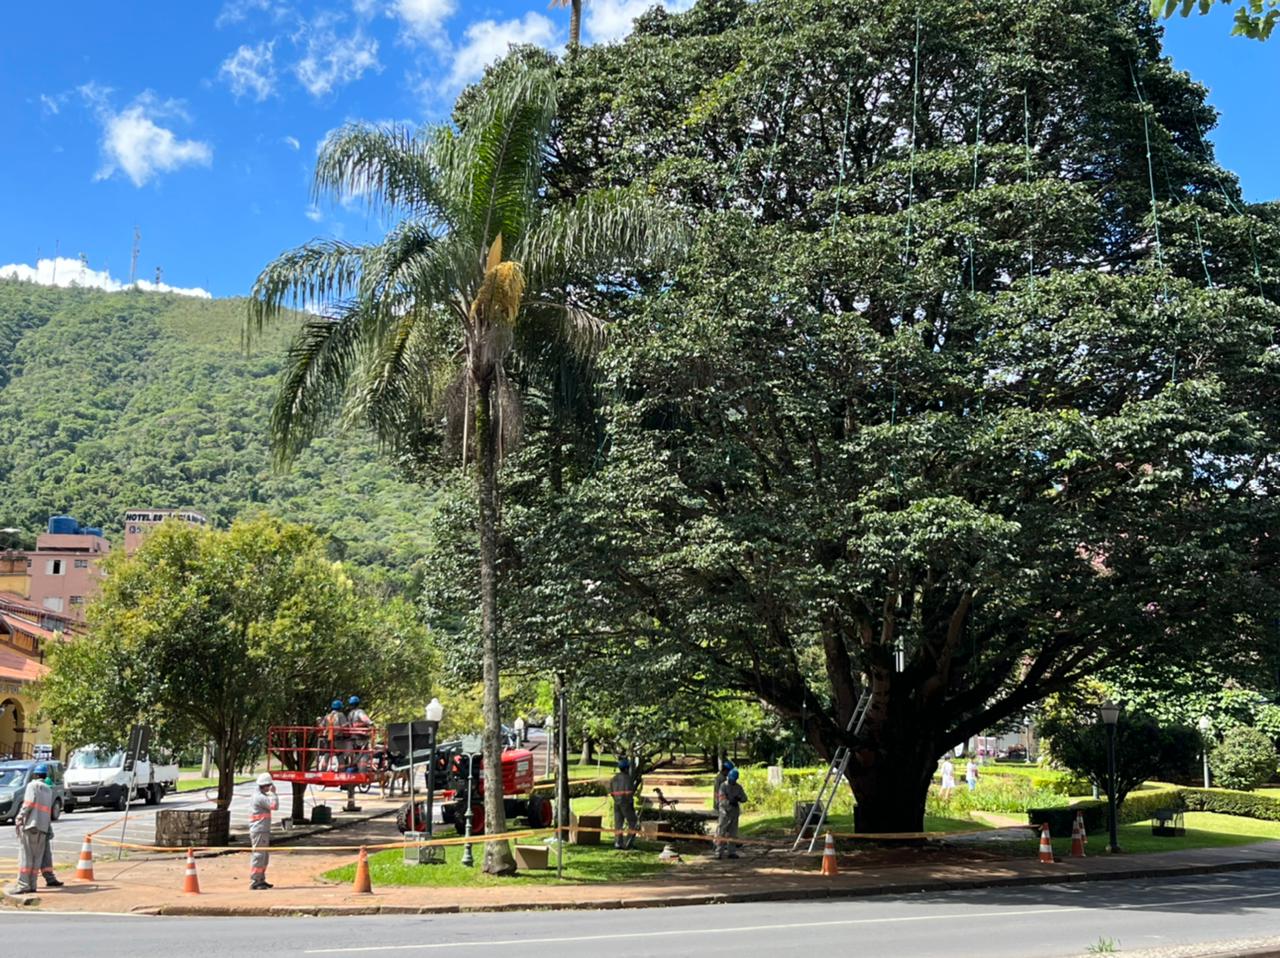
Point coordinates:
[[96, 776]]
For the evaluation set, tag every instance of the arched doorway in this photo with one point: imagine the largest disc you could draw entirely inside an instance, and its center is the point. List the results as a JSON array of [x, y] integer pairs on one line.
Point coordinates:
[[12, 725]]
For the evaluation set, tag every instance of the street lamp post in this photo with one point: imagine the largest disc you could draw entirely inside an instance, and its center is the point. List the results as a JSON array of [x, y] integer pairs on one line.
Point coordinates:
[[1109, 712], [434, 713], [467, 859], [1026, 731], [1205, 726]]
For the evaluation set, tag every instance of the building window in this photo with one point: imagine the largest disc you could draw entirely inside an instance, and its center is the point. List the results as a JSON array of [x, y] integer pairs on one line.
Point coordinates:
[[53, 604], [77, 600], [82, 563], [54, 567]]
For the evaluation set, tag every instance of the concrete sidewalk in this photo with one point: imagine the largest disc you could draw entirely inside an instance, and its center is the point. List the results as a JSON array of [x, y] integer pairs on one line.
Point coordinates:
[[153, 887]]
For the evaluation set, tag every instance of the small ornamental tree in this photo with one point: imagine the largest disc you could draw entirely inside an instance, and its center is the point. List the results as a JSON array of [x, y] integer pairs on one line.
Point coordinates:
[[1244, 759], [1145, 749], [210, 635]]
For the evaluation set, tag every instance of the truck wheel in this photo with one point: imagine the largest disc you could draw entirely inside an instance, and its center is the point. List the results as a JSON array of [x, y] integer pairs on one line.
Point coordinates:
[[55, 813], [122, 801], [540, 811], [154, 795]]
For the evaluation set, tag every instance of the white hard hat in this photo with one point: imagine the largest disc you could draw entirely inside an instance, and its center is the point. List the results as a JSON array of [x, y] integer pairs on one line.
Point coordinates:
[[265, 779]]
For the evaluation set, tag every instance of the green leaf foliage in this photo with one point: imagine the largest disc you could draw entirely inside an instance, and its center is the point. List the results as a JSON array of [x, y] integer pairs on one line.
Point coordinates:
[[1145, 749], [210, 635], [929, 411], [116, 401], [1244, 759]]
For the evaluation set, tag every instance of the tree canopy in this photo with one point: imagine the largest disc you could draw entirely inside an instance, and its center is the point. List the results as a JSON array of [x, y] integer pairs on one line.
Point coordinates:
[[958, 398], [1253, 18], [210, 635]]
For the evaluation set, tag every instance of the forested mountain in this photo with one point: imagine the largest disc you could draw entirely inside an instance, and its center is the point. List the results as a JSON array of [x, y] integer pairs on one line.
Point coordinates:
[[110, 401]]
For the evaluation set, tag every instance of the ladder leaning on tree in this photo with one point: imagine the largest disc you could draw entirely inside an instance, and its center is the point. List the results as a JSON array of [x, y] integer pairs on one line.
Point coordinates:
[[817, 815]]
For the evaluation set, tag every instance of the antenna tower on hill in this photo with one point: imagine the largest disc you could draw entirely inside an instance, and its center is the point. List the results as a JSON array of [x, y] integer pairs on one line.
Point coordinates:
[[133, 259]]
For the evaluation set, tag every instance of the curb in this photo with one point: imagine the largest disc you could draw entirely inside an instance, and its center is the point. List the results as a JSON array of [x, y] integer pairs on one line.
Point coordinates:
[[716, 898]]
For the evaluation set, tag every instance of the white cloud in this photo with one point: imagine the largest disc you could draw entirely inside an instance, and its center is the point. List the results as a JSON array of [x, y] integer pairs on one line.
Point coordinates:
[[52, 104], [291, 142], [313, 213], [135, 144], [233, 11], [424, 19], [606, 20], [72, 272], [488, 40], [332, 62], [250, 70]]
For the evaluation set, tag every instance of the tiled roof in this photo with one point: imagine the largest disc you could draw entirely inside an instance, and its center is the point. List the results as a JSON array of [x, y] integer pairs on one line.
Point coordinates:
[[17, 667]]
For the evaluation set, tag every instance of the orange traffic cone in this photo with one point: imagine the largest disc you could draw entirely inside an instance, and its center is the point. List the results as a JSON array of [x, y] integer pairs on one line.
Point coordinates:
[[191, 883], [362, 886], [84, 868], [829, 866], [1046, 846], [1077, 837]]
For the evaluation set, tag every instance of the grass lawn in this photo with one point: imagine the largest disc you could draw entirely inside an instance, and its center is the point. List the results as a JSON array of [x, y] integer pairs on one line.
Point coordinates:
[[1204, 830], [764, 826], [582, 863]]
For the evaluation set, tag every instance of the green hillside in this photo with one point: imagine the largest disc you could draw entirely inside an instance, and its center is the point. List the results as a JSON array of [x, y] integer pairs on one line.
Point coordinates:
[[111, 401]]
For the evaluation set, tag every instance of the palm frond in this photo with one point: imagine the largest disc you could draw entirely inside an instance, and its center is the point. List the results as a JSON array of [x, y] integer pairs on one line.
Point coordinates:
[[588, 238], [308, 277], [493, 164], [385, 166]]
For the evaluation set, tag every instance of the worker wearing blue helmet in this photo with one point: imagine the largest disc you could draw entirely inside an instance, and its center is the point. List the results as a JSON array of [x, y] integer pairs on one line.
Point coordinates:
[[721, 775], [622, 789], [731, 797], [334, 723], [35, 829]]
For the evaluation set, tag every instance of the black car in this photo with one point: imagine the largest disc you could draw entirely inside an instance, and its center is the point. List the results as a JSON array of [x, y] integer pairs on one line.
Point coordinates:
[[14, 776]]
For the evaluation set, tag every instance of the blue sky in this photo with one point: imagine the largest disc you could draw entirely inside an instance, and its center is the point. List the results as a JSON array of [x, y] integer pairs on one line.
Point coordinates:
[[198, 122]]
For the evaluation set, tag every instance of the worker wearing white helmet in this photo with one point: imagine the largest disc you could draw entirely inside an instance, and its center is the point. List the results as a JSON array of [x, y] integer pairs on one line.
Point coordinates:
[[264, 802]]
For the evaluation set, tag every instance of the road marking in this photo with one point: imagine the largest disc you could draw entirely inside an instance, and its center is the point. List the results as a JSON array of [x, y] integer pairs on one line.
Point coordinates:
[[786, 926]]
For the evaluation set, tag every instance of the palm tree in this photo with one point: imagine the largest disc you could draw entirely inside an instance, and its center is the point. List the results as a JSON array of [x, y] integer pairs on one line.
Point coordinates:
[[575, 21], [414, 336]]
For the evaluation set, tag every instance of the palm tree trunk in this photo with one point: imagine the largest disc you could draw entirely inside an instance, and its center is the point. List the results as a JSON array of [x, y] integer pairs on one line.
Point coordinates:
[[575, 26], [497, 855]]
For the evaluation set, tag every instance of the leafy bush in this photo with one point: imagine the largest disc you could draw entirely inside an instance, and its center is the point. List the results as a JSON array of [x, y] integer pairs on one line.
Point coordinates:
[[1244, 759], [1144, 749], [1135, 808], [578, 788], [1011, 794], [1246, 804], [682, 823], [798, 785]]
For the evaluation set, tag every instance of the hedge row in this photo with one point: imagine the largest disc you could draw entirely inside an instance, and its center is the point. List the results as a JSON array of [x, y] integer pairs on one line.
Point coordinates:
[[578, 788], [1142, 806]]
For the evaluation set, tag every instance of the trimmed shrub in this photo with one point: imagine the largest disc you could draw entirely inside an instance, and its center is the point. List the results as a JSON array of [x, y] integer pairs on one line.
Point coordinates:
[[1140, 806], [1062, 820], [1246, 804], [682, 823], [1244, 759]]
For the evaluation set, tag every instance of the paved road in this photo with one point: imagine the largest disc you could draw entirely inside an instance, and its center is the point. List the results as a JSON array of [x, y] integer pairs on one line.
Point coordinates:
[[1045, 921], [69, 831]]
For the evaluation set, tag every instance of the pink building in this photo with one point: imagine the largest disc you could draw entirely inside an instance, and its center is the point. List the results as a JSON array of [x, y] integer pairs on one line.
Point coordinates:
[[64, 567]]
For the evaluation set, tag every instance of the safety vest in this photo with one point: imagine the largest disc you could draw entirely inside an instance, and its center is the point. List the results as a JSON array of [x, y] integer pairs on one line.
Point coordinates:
[[37, 807]]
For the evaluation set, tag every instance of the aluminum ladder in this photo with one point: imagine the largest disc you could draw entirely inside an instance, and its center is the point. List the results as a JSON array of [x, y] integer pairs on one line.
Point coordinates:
[[835, 775]]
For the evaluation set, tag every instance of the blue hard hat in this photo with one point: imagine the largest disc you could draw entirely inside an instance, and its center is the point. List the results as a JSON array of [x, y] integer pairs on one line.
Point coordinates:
[[40, 771], [354, 700], [336, 704], [733, 774], [727, 766], [623, 764]]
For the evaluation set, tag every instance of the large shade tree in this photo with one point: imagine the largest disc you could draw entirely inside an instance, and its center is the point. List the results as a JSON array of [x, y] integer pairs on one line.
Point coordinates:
[[481, 286], [947, 408]]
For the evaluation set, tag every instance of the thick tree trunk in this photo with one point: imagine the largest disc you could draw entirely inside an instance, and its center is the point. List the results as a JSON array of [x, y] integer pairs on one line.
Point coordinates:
[[890, 775], [299, 810], [227, 760], [588, 751], [498, 859]]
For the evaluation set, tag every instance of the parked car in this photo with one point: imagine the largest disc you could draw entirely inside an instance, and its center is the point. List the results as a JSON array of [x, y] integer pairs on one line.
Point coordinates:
[[15, 774], [96, 776]]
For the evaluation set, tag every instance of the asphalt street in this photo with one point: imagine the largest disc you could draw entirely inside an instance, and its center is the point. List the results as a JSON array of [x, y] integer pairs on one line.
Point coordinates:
[[1053, 920], [140, 827]]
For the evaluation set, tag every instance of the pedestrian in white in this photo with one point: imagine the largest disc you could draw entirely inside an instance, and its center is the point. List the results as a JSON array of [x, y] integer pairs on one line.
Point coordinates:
[[948, 779], [263, 803], [971, 774], [33, 823]]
